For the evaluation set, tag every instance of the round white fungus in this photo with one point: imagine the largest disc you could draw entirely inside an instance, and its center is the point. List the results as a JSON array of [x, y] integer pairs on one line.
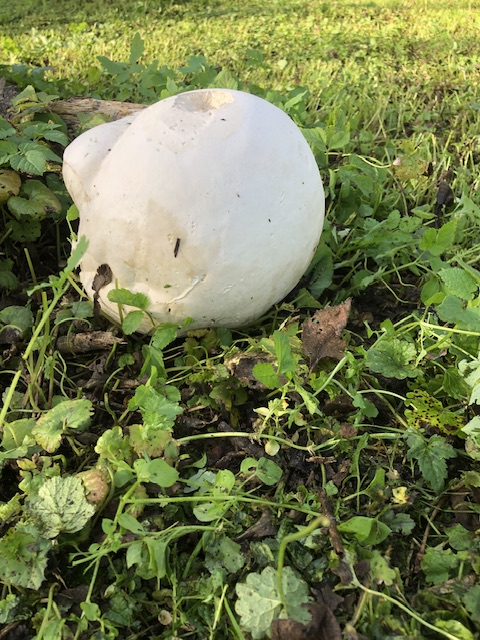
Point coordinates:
[[210, 203]]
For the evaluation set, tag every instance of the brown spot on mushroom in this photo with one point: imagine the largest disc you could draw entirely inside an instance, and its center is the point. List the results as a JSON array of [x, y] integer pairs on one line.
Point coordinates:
[[177, 247]]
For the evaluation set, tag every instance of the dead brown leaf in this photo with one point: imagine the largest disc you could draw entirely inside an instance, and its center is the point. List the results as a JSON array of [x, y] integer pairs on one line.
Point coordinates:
[[326, 595], [87, 342], [323, 626], [103, 277], [343, 571], [263, 528], [321, 334], [241, 366]]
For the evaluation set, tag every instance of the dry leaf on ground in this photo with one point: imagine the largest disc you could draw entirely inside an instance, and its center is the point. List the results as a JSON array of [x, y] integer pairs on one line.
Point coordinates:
[[323, 626], [321, 334]]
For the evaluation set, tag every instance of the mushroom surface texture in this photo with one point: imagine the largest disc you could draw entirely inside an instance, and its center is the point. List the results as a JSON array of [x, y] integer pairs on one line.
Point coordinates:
[[209, 202]]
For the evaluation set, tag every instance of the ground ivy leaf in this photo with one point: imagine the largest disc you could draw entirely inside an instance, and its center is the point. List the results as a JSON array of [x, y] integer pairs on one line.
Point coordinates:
[[149, 440], [23, 558], [459, 538], [20, 318], [157, 410], [66, 416], [266, 374], [431, 456], [61, 506], [132, 321], [164, 335], [471, 600], [124, 296], [403, 523], [11, 508], [8, 280], [224, 554], [15, 433], [454, 311], [258, 603], [296, 593], [393, 358], [458, 282], [472, 431], [8, 604], [438, 563], [113, 446], [380, 569]]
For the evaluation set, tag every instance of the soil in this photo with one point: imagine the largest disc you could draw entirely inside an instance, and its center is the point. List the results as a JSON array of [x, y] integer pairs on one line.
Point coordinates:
[[7, 94]]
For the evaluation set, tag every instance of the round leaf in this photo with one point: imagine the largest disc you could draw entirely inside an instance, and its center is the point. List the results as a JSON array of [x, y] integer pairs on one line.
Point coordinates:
[[35, 199], [157, 471], [10, 183]]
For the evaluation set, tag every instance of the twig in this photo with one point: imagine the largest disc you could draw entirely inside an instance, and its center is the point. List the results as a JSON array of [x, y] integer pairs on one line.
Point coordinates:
[[85, 342], [426, 533], [332, 525]]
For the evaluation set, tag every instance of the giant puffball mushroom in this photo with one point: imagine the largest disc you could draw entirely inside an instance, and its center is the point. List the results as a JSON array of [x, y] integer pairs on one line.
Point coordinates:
[[209, 202]]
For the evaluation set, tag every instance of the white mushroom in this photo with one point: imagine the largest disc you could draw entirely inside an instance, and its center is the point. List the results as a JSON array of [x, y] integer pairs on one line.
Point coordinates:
[[209, 202]]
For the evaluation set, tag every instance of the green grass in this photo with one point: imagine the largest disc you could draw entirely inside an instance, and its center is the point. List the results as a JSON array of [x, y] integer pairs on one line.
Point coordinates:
[[372, 56], [166, 487]]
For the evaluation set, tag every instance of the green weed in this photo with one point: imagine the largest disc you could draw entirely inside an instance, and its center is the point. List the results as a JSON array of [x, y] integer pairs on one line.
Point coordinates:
[[227, 484]]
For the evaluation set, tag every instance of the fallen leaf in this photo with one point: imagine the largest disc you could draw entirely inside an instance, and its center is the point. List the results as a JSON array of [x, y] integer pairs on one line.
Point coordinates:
[[87, 341], [347, 430], [343, 571], [322, 626], [241, 366], [321, 334], [103, 277], [325, 595], [263, 528]]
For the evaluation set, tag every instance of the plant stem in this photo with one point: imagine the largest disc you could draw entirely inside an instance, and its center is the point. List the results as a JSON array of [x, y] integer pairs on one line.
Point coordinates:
[[319, 521], [9, 396], [233, 620], [405, 609]]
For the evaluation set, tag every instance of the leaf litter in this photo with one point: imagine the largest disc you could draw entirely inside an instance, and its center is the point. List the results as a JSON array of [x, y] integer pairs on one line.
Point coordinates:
[[321, 334]]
